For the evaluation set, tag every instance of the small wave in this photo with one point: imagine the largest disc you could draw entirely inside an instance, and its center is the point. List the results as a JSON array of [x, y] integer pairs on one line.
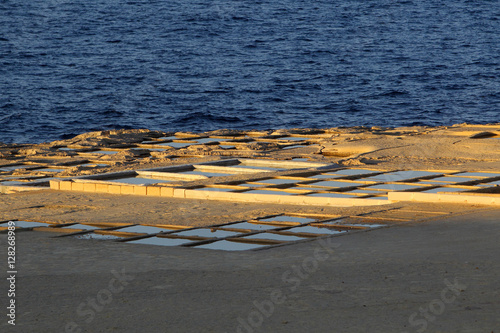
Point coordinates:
[[273, 100], [217, 91], [10, 116], [197, 117], [7, 106], [112, 113], [393, 93]]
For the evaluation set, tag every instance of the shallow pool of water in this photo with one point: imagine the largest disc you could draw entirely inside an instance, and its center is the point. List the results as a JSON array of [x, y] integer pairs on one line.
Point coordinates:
[[168, 138], [278, 181], [293, 147], [253, 167], [163, 241], [451, 179], [277, 237], [478, 174], [143, 229], [209, 140], [81, 226], [105, 152], [328, 183], [269, 192], [13, 183], [251, 226], [286, 218], [355, 172], [206, 174], [315, 230], [325, 176], [210, 233], [400, 175], [26, 224], [177, 144], [393, 187], [13, 167]]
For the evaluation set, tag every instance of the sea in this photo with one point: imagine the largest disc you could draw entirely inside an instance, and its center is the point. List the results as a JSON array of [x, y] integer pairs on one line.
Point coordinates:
[[68, 67]]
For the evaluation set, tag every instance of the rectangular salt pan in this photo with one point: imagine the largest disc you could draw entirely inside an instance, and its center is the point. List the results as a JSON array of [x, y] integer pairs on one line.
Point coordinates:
[[12, 183], [210, 140], [26, 224], [478, 174], [205, 232], [309, 189], [91, 165], [277, 237], [177, 144], [12, 167], [339, 222], [451, 179], [207, 174], [106, 152], [315, 230], [80, 226], [251, 226], [400, 175], [286, 218], [393, 187], [143, 229], [253, 167], [292, 147], [328, 183], [168, 138], [162, 241], [492, 183], [325, 176], [363, 191]]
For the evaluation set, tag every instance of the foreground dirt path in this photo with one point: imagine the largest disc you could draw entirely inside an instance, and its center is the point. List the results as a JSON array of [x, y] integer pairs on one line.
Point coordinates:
[[440, 276]]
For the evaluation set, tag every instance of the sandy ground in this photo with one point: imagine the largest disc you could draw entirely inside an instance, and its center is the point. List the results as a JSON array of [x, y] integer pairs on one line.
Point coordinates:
[[440, 276]]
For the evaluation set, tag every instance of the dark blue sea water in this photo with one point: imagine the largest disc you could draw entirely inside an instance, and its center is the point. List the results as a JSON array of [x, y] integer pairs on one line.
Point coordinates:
[[67, 67]]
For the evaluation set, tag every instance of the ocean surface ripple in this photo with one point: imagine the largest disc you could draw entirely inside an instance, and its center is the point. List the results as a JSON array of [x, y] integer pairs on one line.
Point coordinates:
[[67, 67]]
